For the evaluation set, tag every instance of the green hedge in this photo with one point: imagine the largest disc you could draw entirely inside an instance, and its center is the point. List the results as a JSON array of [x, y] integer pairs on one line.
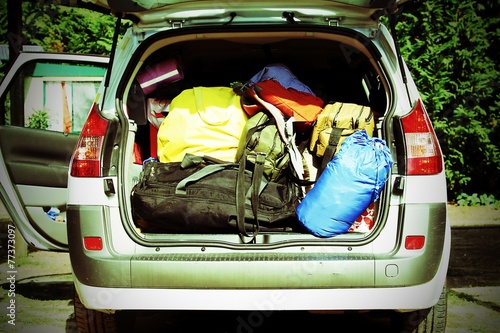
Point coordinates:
[[452, 49]]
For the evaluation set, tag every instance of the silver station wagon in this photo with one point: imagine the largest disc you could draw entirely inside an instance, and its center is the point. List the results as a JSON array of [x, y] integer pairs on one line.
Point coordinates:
[[341, 51]]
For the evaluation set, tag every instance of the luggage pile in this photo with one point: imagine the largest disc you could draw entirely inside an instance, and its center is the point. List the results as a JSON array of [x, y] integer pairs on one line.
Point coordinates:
[[264, 155]]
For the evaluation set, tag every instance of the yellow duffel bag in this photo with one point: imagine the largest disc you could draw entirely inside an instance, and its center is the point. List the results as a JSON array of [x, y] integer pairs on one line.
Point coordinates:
[[202, 121]]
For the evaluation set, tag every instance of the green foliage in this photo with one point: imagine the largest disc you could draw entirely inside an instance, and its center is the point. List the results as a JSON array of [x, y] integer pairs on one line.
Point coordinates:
[[58, 28], [451, 48], [39, 119], [64, 29], [476, 200]]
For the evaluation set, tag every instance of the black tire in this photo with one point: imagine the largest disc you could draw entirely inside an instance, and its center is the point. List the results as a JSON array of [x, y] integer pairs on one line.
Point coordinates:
[[93, 321], [432, 320]]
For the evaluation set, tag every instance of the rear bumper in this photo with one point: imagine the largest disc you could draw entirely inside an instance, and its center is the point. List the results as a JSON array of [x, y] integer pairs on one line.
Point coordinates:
[[400, 298], [112, 280]]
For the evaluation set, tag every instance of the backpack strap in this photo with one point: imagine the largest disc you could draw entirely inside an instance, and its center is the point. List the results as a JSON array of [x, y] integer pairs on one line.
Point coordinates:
[[333, 142], [256, 187]]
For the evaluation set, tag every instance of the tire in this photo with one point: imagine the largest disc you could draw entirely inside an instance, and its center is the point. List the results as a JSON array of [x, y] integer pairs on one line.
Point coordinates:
[[93, 321], [432, 320]]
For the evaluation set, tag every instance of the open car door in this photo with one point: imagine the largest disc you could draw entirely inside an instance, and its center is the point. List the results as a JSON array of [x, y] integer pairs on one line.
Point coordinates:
[[44, 102]]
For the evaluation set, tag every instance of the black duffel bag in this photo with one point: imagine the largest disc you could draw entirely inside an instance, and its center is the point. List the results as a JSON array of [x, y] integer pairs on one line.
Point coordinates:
[[200, 196]]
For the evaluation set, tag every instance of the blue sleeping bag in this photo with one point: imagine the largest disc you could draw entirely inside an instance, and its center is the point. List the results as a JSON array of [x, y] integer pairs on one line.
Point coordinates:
[[351, 181]]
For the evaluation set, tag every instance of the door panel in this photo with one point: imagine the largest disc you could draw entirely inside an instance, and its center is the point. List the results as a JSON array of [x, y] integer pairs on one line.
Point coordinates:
[[37, 163], [37, 157]]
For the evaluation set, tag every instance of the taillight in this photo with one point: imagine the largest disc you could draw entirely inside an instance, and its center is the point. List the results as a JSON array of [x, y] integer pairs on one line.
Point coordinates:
[[423, 153], [86, 160]]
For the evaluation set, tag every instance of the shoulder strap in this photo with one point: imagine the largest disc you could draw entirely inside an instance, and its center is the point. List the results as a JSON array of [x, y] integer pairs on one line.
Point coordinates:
[[256, 188], [333, 142]]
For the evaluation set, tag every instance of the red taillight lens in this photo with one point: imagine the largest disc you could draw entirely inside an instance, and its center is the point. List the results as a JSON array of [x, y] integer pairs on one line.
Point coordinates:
[[92, 243], [86, 160], [422, 148], [414, 242]]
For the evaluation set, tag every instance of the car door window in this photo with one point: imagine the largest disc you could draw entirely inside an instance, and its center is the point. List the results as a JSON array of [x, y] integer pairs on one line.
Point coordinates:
[[51, 96]]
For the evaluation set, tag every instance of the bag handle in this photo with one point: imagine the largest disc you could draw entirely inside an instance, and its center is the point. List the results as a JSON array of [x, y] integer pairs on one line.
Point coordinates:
[[200, 174], [257, 186]]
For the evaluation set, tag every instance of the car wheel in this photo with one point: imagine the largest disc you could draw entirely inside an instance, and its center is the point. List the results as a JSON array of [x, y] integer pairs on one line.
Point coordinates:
[[432, 320], [93, 321]]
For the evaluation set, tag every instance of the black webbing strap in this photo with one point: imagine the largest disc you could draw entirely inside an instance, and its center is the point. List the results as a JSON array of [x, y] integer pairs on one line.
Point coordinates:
[[256, 187], [255, 190], [333, 142]]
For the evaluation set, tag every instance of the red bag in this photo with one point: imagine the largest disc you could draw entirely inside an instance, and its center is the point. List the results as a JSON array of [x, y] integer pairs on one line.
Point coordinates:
[[365, 221], [304, 107]]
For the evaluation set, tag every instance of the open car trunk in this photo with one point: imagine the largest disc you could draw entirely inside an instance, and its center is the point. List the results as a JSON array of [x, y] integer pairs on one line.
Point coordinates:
[[337, 65]]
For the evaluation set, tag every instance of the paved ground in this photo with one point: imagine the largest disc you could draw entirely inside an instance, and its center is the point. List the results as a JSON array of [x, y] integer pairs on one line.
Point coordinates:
[[477, 217]]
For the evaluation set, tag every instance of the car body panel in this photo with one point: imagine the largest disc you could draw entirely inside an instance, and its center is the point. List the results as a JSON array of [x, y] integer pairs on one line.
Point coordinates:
[[148, 15], [402, 298], [187, 265], [406, 297], [145, 5]]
